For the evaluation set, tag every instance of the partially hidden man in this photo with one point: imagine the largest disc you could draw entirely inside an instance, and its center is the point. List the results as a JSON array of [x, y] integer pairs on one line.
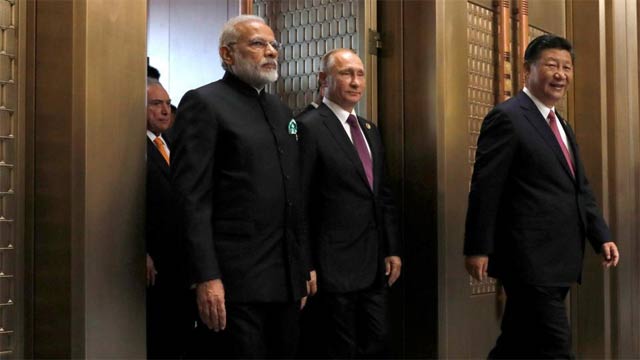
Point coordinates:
[[531, 208], [353, 227], [169, 302], [235, 172]]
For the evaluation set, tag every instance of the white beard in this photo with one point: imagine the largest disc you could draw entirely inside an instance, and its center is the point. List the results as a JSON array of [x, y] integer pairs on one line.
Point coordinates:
[[253, 74]]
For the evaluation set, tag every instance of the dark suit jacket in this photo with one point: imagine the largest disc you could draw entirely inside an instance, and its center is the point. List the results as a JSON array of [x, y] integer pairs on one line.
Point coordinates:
[[526, 211], [235, 174], [351, 228], [162, 237]]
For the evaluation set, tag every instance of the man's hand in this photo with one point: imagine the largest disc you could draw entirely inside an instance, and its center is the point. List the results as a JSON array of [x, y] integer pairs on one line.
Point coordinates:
[[312, 284], [393, 266], [312, 288], [151, 272], [210, 298], [477, 266], [610, 254]]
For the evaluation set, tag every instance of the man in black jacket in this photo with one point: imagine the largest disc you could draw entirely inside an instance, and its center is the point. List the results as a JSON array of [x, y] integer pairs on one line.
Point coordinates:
[[531, 208], [353, 227], [235, 174], [169, 318]]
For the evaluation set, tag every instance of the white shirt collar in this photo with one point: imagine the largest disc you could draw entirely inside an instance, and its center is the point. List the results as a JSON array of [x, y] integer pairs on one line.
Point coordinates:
[[153, 136], [340, 113], [544, 110]]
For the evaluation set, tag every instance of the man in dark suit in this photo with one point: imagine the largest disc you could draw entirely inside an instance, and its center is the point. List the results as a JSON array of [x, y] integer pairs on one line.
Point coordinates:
[[352, 221], [235, 171], [169, 319], [531, 208]]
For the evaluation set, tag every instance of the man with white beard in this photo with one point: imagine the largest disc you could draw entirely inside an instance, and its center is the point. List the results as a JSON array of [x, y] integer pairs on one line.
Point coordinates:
[[234, 165]]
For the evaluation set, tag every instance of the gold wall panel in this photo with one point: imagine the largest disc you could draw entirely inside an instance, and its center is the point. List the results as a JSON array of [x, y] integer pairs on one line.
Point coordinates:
[[482, 58], [8, 152], [307, 30]]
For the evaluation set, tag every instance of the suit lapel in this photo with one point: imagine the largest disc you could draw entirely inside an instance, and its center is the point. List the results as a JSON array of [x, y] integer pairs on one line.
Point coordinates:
[[344, 143], [154, 155], [542, 127]]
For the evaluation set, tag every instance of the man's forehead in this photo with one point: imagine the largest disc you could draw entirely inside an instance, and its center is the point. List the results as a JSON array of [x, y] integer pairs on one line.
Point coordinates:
[[555, 54], [252, 29], [346, 59], [157, 92]]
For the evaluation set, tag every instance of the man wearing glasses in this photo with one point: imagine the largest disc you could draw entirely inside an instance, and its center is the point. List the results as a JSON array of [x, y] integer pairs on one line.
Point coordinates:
[[235, 173]]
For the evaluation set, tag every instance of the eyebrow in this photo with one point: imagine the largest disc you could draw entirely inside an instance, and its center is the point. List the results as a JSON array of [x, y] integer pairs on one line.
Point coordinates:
[[554, 59]]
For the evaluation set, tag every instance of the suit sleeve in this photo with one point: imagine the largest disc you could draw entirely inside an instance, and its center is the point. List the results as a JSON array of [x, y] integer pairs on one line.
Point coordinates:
[[308, 154], [389, 211], [496, 149], [192, 162], [597, 230]]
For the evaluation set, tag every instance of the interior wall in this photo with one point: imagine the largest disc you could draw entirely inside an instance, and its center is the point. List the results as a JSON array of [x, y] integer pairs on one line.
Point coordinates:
[[623, 166], [183, 41], [406, 101], [590, 314], [88, 179], [12, 169]]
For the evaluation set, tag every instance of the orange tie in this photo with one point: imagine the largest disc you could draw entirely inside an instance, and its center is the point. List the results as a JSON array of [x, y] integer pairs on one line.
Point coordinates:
[[160, 146]]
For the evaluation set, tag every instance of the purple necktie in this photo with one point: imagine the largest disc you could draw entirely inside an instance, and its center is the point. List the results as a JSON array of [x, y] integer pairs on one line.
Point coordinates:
[[553, 123], [361, 147]]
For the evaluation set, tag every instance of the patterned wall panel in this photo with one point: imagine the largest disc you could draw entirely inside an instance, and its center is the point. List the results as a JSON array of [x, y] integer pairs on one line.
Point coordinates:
[[482, 89], [307, 30], [8, 125]]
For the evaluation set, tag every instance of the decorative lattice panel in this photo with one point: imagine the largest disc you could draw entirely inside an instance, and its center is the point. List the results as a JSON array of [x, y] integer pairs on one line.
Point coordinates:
[[481, 59], [307, 30], [8, 125]]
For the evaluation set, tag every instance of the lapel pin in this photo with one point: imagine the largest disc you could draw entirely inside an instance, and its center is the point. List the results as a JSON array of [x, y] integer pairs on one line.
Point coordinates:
[[293, 128], [367, 126]]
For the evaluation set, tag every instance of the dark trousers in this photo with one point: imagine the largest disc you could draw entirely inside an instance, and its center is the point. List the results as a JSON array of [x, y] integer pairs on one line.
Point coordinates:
[[254, 331], [357, 323], [534, 324], [170, 320]]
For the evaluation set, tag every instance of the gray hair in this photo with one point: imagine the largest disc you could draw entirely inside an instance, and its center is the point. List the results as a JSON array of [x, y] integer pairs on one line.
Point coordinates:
[[230, 34], [152, 82], [329, 58]]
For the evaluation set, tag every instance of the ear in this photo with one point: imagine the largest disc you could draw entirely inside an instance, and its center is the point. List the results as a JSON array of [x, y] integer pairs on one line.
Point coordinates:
[[225, 55], [322, 79]]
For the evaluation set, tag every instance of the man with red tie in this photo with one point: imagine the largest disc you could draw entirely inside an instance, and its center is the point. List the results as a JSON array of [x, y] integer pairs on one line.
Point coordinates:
[[353, 229], [531, 208]]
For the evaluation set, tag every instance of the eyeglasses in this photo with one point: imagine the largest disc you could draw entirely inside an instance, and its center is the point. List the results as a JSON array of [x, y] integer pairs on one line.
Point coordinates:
[[259, 44]]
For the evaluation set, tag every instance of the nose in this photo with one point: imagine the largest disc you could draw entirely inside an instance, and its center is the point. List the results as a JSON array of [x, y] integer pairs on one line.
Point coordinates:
[[560, 74], [270, 51], [165, 109], [355, 81]]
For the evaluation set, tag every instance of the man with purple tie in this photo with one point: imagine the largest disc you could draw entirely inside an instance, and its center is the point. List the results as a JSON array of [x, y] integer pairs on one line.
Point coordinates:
[[352, 221], [531, 208]]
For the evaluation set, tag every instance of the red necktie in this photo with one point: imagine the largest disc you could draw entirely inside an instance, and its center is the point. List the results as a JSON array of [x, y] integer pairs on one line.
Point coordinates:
[[160, 146], [553, 123], [361, 147]]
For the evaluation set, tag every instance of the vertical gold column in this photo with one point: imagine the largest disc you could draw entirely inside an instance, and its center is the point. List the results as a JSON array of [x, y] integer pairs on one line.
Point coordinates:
[[89, 168], [623, 158], [590, 313]]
